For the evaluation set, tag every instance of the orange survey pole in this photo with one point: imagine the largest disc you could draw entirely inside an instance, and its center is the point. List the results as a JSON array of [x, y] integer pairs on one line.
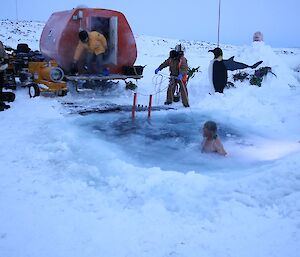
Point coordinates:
[[150, 106], [134, 106]]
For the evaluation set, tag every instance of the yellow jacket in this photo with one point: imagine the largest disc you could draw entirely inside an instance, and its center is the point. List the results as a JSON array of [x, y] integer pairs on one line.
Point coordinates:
[[96, 44]]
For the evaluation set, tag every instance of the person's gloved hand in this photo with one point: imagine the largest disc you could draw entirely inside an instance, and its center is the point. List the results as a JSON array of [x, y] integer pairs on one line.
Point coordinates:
[[74, 68], [180, 76], [157, 70], [106, 72]]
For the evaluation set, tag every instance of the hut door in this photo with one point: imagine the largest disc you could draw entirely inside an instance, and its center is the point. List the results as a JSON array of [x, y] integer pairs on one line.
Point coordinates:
[[113, 40], [109, 28]]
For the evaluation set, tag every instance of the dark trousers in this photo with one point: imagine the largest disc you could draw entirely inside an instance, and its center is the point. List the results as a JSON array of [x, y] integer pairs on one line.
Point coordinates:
[[183, 91], [98, 59]]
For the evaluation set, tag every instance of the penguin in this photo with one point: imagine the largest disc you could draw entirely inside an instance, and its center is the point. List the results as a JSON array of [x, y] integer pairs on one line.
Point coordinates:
[[218, 72], [218, 69]]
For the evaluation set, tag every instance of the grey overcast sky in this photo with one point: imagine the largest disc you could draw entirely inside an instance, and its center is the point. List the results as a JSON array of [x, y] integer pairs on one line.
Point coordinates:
[[186, 19]]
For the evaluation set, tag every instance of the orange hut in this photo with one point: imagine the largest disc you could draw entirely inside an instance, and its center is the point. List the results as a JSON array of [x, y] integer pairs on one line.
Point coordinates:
[[60, 37]]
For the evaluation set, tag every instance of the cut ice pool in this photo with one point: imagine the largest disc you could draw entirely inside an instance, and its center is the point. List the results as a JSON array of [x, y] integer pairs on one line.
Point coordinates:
[[171, 140]]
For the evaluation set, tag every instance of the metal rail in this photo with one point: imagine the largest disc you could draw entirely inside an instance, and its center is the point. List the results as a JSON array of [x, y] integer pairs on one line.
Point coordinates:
[[102, 78]]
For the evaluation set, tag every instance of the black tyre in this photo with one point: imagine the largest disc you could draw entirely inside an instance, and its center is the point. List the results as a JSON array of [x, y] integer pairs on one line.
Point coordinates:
[[34, 90]]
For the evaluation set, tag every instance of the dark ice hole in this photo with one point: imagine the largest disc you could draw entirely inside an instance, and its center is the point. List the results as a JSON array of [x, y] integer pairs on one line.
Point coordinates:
[[170, 140]]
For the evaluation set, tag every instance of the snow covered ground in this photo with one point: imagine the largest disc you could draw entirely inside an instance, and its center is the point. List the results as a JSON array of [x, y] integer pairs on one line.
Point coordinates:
[[102, 185]]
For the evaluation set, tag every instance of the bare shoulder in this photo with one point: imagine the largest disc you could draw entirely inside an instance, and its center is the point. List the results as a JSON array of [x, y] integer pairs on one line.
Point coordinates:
[[219, 146], [218, 141]]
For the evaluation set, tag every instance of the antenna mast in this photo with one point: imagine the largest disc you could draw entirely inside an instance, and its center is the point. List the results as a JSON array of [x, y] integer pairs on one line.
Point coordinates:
[[219, 19], [17, 16]]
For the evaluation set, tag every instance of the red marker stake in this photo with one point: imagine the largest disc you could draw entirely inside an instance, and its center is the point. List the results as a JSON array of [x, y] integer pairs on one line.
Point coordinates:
[[134, 106], [150, 106]]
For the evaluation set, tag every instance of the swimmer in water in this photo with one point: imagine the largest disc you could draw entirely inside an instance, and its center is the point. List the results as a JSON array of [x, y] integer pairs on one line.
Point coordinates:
[[211, 142]]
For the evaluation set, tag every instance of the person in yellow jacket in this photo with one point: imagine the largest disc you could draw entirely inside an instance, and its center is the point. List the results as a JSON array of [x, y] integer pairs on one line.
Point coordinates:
[[95, 45]]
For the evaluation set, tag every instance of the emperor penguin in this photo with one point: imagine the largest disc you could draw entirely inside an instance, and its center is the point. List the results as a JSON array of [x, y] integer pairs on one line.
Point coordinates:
[[217, 71], [218, 68]]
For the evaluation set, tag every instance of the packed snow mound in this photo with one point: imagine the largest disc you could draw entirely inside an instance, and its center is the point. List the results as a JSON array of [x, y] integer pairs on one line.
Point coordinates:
[[61, 184], [260, 51]]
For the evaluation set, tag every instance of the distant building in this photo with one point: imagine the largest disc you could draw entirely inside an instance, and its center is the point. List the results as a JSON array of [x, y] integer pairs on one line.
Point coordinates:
[[258, 37]]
